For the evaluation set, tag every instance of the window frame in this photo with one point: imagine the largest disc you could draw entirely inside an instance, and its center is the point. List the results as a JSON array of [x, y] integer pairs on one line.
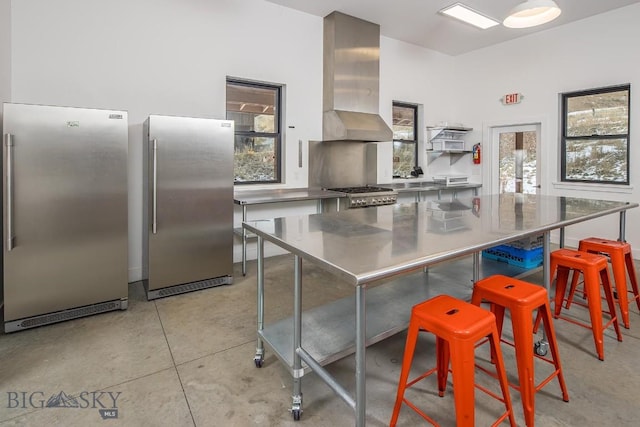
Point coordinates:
[[277, 136], [414, 141], [564, 138]]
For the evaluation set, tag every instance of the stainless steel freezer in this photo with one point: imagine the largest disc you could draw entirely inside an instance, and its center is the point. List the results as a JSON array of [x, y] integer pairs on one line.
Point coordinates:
[[188, 204], [64, 213]]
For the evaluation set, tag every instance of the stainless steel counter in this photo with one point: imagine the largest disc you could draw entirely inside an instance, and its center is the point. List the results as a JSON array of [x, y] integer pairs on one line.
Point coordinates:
[[363, 246], [420, 187], [259, 197]]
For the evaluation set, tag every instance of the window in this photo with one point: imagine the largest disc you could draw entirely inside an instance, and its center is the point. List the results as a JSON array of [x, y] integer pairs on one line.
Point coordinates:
[[405, 139], [595, 136], [255, 108]]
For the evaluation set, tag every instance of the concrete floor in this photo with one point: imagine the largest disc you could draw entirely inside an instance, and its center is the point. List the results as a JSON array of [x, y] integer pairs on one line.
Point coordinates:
[[188, 360]]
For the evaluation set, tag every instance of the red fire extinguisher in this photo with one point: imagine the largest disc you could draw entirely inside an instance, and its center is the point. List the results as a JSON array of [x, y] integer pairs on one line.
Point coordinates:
[[476, 206], [476, 154]]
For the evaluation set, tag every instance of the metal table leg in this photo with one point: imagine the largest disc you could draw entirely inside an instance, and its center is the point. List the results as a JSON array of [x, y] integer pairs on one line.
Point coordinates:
[[546, 259], [244, 241], [623, 222], [298, 372], [542, 347], [476, 267], [360, 355], [259, 357]]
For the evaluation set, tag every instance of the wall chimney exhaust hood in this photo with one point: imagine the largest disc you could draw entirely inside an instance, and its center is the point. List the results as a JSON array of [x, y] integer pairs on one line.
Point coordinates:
[[351, 81]]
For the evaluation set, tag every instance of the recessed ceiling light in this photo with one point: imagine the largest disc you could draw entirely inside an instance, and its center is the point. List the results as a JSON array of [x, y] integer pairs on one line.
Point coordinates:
[[468, 15]]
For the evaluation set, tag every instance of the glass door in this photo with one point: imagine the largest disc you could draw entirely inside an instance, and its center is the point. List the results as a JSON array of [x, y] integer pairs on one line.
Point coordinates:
[[517, 159]]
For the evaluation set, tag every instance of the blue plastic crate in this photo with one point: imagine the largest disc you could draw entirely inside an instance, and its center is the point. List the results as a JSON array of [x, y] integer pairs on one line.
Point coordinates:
[[531, 242], [524, 258]]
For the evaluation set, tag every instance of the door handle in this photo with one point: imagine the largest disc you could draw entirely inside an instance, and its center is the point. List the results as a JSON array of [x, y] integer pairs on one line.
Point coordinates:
[[9, 144], [154, 207]]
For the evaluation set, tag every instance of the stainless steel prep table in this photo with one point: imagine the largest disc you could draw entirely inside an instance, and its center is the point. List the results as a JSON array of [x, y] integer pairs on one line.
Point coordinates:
[[362, 246], [421, 187], [260, 197]]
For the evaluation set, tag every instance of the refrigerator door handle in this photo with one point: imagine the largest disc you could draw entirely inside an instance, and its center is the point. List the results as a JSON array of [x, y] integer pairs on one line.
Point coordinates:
[[154, 209], [9, 143]]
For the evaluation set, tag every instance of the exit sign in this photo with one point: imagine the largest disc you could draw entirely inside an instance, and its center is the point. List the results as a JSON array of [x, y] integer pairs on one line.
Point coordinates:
[[512, 98]]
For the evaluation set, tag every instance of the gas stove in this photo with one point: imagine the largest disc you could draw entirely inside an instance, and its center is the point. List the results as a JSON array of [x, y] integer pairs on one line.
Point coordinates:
[[364, 196]]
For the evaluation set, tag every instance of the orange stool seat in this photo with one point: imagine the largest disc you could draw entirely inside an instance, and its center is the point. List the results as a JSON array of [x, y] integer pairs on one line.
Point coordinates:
[[621, 264], [594, 269], [458, 326], [522, 299]]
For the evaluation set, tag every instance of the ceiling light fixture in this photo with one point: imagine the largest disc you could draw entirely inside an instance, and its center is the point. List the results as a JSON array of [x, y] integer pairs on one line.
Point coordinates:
[[532, 13], [468, 15]]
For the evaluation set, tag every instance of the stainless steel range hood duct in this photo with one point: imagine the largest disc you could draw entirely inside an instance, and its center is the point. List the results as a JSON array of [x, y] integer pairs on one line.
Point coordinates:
[[351, 81]]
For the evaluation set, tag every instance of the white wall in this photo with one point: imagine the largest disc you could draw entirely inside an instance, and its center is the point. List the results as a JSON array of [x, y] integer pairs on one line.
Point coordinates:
[[409, 73], [595, 52], [5, 51], [165, 57]]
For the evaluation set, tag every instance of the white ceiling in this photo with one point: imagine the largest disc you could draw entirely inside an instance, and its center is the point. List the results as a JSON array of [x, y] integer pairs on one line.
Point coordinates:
[[418, 21]]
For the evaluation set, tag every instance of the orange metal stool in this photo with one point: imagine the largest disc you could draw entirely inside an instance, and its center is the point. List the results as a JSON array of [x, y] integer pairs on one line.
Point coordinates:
[[594, 270], [457, 326], [522, 299], [621, 264]]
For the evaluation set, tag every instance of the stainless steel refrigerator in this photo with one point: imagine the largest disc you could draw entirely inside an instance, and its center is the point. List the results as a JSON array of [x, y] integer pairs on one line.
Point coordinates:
[[188, 204], [64, 213]]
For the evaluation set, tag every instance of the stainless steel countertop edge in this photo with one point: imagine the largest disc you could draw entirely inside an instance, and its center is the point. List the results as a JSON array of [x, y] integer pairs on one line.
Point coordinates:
[[320, 262], [257, 197]]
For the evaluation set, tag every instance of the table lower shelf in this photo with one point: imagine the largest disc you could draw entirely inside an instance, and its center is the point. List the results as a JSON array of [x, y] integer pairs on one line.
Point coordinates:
[[250, 235], [329, 331]]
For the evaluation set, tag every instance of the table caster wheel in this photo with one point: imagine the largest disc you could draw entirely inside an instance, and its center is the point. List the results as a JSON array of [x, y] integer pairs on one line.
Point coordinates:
[[296, 414], [296, 407], [541, 348], [258, 361]]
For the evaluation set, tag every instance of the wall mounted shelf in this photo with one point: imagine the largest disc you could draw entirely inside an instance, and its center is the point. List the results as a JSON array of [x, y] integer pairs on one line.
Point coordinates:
[[454, 155], [448, 141]]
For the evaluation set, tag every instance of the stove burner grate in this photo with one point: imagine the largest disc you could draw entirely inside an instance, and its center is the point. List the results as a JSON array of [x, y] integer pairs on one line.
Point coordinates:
[[360, 190]]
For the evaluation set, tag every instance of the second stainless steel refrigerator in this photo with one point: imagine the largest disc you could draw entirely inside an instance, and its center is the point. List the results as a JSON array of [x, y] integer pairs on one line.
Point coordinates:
[[188, 204]]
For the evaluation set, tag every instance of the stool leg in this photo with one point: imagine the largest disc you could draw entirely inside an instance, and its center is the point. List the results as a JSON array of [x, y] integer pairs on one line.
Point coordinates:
[[501, 371], [620, 278], [608, 292], [476, 298], [407, 359], [536, 323], [442, 363], [561, 287], [572, 291], [591, 287], [523, 338], [633, 278], [552, 272], [550, 332], [498, 311], [463, 368]]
